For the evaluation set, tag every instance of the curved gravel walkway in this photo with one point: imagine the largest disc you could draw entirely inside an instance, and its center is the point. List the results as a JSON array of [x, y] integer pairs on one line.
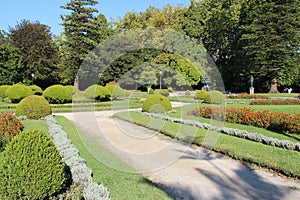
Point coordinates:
[[185, 172]]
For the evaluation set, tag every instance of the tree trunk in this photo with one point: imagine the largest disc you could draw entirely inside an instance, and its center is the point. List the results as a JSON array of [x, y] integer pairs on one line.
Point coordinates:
[[274, 85]]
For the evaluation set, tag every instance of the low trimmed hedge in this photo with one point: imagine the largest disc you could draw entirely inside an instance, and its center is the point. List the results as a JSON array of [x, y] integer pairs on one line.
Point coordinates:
[[247, 96], [275, 102]]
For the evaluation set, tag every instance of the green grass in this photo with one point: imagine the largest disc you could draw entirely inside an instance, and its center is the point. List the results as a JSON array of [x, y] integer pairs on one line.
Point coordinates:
[[281, 160], [121, 185], [35, 124]]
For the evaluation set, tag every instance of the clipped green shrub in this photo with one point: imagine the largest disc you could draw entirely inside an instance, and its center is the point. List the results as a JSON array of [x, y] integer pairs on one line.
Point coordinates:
[[34, 107], [156, 103], [36, 89], [164, 92], [187, 93], [3, 89], [31, 167], [217, 97], [98, 93], [203, 95], [57, 94], [10, 126], [17, 92], [116, 91]]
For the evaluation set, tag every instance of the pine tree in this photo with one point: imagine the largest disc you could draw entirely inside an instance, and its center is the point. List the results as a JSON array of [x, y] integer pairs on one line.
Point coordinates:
[[83, 31]]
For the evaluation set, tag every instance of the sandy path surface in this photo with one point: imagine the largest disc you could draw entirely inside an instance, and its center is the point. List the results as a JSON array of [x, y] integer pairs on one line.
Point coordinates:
[[185, 172]]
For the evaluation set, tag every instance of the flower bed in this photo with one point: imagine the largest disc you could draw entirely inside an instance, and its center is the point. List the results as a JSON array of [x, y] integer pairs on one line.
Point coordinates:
[[278, 121], [246, 96], [275, 102], [10, 126]]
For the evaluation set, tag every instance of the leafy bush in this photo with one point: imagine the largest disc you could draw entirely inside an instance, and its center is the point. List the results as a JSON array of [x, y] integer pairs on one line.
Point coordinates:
[[34, 107], [156, 103], [116, 91], [17, 92], [58, 94], [36, 89], [10, 126], [217, 97], [3, 89], [164, 92], [31, 168], [203, 95], [98, 93]]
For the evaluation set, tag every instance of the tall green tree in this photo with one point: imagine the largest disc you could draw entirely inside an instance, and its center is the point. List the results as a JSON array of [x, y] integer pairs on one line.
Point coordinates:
[[216, 24], [83, 31], [271, 42], [11, 62], [40, 54]]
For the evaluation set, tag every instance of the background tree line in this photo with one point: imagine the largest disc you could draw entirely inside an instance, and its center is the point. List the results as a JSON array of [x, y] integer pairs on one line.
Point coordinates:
[[244, 37]]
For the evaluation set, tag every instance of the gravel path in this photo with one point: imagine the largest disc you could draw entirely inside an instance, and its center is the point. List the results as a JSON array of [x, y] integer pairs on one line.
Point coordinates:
[[185, 172]]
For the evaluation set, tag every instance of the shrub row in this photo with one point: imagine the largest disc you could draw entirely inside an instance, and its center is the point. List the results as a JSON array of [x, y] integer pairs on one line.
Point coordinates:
[[278, 121], [275, 102], [31, 168], [246, 96], [10, 126], [256, 137], [81, 174]]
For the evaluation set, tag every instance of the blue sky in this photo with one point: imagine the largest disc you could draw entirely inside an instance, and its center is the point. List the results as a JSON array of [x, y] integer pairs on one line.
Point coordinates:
[[48, 11]]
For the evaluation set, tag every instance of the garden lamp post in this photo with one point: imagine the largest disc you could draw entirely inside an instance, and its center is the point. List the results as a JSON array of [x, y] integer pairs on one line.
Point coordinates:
[[32, 76], [251, 85], [160, 74]]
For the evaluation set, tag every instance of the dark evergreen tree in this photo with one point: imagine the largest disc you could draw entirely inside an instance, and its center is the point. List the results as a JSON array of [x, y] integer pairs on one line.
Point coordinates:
[[11, 61], [271, 42], [40, 54]]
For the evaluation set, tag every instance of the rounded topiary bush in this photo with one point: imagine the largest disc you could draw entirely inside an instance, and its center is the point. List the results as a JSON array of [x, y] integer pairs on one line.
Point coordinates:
[[57, 94], [34, 107], [3, 89], [203, 95], [164, 92], [116, 91], [98, 93], [31, 167], [36, 89], [156, 103], [217, 97], [17, 92]]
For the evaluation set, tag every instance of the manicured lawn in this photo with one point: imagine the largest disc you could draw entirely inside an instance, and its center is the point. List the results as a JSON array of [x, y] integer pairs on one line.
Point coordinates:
[[121, 185], [281, 160]]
